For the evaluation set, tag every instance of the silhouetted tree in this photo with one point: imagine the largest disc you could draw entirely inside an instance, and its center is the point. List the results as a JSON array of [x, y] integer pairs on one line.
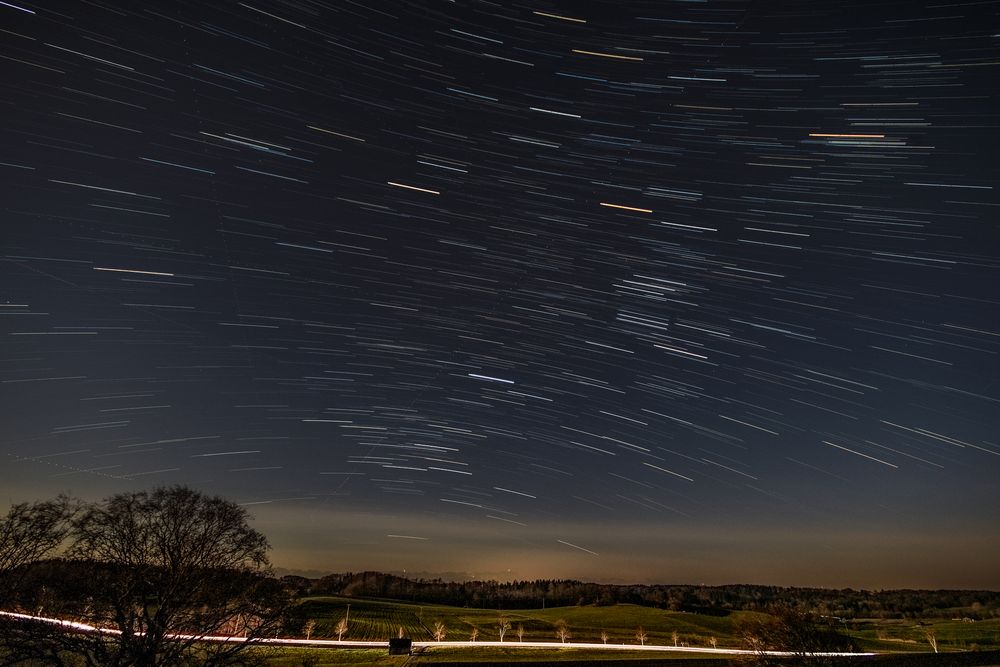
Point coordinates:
[[28, 533], [793, 632], [163, 570], [32, 531]]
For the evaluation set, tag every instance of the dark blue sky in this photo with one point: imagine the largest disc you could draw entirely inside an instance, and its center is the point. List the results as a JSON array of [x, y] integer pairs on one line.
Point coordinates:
[[646, 291]]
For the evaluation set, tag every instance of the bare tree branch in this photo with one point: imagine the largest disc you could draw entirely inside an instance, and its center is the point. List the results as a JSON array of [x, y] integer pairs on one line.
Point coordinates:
[[161, 569]]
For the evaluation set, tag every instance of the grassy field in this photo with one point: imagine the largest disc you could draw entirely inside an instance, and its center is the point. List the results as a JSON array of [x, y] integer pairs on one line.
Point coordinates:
[[494, 656], [907, 635], [498, 655], [295, 657], [318, 657], [379, 620]]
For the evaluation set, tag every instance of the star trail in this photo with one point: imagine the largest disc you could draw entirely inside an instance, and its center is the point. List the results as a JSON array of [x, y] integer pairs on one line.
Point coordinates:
[[624, 290]]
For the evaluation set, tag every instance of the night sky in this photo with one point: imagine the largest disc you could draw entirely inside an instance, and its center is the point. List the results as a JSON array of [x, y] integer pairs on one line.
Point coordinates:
[[673, 291]]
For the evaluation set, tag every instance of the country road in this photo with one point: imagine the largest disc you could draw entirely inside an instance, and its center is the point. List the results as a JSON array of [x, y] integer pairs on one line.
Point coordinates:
[[332, 643]]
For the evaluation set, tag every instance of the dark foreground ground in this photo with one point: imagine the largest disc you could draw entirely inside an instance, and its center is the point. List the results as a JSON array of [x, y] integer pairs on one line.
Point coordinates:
[[490, 658], [986, 659]]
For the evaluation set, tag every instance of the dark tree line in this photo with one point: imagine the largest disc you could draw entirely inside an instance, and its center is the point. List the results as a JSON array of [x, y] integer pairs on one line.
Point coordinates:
[[155, 572], [718, 600]]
